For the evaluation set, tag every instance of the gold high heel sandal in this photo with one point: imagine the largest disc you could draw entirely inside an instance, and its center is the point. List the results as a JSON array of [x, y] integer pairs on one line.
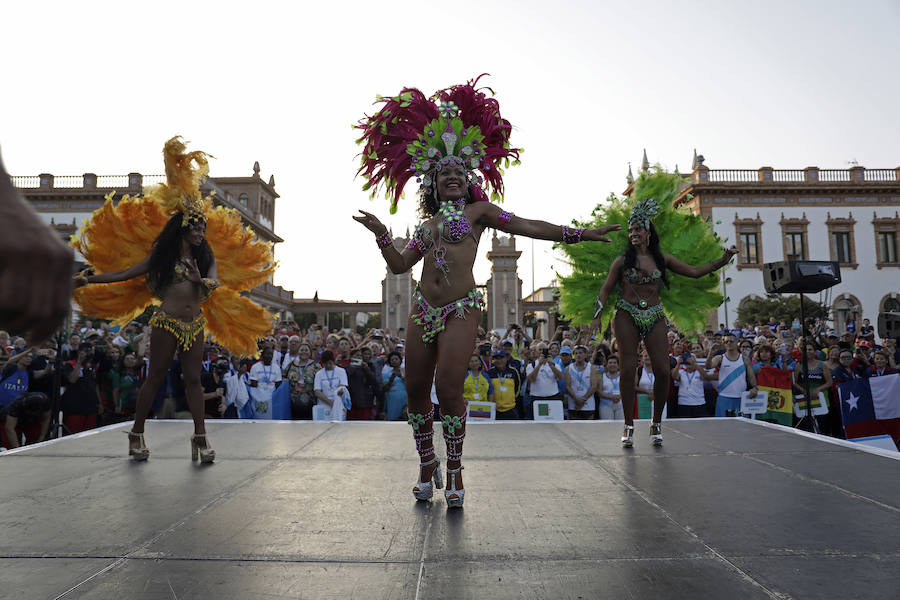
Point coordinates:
[[205, 455], [141, 452]]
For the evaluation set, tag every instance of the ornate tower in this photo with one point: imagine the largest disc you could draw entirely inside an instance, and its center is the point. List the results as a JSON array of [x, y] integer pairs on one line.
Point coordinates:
[[504, 288], [396, 294]]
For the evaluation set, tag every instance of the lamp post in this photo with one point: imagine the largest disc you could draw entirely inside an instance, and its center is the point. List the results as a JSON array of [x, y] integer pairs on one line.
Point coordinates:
[[725, 282]]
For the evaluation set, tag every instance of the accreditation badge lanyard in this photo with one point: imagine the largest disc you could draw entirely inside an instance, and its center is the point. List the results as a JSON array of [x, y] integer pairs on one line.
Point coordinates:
[[579, 376], [690, 378], [614, 383], [502, 381], [330, 379], [475, 378], [651, 378]]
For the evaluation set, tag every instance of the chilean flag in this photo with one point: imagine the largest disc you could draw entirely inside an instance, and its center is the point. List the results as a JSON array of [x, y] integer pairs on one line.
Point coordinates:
[[871, 407]]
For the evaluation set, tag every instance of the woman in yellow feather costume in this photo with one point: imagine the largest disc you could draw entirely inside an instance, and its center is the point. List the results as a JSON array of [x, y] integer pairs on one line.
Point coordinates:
[[159, 249]]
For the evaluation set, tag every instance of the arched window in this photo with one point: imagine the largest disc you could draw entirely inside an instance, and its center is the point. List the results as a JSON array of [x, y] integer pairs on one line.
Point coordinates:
[[244, 199], [844, 306], [890, 304]]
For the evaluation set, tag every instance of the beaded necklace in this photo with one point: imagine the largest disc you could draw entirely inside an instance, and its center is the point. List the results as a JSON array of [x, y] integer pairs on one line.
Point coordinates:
[[453, 227]]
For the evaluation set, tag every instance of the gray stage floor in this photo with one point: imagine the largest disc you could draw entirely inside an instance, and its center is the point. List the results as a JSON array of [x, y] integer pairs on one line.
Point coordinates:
[[725, 509]]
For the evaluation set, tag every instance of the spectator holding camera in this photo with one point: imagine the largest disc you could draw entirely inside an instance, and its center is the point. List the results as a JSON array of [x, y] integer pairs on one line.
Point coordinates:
[[18, 376], [214, 390], [364, 387], [81, 402], [542, 374], [691, 396]]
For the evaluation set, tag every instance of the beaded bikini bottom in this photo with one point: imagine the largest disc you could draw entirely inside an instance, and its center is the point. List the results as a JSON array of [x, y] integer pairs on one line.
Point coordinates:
[[184, 332], [433, 319], [644, 318]]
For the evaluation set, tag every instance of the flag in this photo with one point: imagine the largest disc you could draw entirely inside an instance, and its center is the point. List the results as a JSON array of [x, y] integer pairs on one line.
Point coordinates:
[[776, 383], [281, 402], [871, 407]]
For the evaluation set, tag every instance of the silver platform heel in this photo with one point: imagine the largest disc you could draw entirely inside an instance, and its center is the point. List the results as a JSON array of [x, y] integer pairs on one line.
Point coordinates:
[[205, 455], [628, 436], [424, 490], [656, 434], [451, 490]]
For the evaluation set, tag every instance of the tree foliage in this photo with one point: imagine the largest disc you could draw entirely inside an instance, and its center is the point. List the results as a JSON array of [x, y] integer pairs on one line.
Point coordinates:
[[784, 308]]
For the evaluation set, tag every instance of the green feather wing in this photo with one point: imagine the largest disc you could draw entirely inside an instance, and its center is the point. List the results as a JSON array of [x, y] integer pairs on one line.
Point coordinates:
[[686, 236]]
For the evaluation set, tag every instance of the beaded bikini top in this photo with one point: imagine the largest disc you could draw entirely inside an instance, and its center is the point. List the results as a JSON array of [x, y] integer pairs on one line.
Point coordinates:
[[632, 275], [453, 227]]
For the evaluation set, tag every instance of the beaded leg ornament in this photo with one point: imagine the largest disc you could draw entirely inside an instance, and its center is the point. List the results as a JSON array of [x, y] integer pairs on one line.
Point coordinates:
[[423, 433], [454, 434]]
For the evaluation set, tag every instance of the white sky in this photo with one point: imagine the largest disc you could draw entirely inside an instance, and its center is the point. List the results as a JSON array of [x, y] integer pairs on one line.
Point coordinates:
[[99, 86]]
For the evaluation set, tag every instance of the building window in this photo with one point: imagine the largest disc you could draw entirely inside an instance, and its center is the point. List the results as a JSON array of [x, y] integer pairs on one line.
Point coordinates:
[[749, 249], [887, 246], [794, 246], [890, 304], [749, 242], [886, 240], [796, 243], [841, 242], [244, 200]]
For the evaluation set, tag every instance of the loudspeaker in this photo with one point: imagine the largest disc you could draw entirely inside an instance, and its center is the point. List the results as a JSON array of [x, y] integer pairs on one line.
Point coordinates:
[[889, 325], [800, 276]]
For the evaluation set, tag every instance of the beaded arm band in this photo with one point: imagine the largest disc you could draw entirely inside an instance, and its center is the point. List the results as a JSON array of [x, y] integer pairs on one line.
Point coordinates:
[[571, 236], [384, 240], [209, 286], [503, 219]]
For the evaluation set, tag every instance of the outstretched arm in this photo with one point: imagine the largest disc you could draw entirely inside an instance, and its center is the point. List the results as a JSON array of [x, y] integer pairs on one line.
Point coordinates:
[[113, 276], [492, 215], [397, 262], [696, 272]]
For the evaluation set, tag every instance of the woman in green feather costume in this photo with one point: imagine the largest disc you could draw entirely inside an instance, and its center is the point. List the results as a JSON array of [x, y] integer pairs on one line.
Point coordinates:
[[636, 282]]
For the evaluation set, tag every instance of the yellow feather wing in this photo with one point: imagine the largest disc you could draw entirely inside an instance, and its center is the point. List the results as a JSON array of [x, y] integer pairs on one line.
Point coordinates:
[[242, 261], [236, 322]]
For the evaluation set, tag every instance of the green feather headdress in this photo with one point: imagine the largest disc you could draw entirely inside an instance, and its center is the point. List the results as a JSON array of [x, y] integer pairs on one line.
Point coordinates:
[[682, 234]]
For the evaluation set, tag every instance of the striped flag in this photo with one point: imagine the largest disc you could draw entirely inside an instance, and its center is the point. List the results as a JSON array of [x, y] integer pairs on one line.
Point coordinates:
[[776, 383]]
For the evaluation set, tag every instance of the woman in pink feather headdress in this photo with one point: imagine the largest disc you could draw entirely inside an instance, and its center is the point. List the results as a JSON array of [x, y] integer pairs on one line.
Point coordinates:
[[444, 141]]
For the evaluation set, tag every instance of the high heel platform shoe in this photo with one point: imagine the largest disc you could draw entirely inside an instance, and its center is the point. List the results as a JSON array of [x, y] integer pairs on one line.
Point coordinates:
[[424, 490], [205, 455], [140, 453], [628, 436], [656, 434], [451, 490]]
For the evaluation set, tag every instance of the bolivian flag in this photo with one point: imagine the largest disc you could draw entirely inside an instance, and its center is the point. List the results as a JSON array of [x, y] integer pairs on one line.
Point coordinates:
[[777, 384]]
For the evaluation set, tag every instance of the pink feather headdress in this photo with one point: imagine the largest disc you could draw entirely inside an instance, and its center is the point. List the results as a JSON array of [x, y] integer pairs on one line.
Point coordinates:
[[412, 135]]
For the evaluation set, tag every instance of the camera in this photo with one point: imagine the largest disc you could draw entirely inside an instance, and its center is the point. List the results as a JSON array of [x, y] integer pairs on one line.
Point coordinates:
[[545, 353]]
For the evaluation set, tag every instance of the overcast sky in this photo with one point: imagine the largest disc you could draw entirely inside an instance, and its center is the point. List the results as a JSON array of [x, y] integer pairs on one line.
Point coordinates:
[[99, 86]]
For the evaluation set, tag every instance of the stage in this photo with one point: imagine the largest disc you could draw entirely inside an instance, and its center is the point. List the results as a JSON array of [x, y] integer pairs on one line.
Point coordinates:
[[725, 509]]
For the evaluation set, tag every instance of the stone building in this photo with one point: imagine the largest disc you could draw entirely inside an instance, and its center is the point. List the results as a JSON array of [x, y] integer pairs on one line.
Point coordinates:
[[66, 201]]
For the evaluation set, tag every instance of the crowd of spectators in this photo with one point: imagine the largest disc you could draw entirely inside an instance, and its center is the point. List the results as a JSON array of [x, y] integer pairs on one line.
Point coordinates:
[[360, 375]]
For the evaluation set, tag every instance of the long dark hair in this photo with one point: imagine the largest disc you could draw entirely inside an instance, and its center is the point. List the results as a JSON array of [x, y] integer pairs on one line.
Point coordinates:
[[167, 252], [653, 247]]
